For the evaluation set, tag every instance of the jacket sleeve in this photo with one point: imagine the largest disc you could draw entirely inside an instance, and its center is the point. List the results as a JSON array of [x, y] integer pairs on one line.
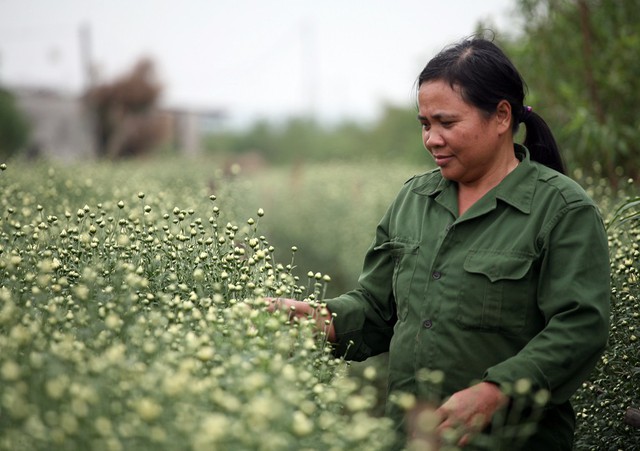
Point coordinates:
[[574, 297], [364, 318]]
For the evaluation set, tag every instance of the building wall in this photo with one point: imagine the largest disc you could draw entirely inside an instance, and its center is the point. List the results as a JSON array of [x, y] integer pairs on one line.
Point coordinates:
[[60, 125], [61, 128]]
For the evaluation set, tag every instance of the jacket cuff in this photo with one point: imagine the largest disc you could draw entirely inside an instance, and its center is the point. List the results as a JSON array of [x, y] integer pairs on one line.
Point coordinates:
[[348, 319], [511, 371]]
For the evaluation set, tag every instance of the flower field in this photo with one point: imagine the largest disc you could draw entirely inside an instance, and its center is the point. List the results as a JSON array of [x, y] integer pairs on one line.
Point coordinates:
[[134, 319], [132, 313]]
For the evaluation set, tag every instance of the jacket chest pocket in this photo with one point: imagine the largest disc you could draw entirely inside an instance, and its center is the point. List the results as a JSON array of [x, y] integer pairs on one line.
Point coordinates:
[[404, 254], [498, 291]]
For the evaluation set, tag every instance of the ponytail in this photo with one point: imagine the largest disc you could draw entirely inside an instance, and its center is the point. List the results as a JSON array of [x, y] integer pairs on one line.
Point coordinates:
[[540, 141]]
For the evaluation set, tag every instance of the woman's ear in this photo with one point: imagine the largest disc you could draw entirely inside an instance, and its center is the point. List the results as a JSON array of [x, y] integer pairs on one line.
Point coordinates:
[[503, 116]]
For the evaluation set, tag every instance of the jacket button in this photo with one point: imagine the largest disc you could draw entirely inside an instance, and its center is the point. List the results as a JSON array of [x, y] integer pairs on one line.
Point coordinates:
[[427, 323], [436, 275]]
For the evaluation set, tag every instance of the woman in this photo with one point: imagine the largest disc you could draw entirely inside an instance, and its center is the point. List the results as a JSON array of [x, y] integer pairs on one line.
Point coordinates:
[[491, 268]]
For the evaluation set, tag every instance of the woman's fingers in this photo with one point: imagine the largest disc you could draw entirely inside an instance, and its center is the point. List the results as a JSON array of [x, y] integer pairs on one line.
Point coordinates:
[[272, 304], [293, 307], [302, 310]]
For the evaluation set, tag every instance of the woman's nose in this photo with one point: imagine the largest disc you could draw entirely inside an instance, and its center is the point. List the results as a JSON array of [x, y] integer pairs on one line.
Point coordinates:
[[432, 139]]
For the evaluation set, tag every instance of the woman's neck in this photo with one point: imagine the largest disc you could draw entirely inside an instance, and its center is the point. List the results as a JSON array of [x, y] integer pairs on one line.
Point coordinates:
[[470, 193]]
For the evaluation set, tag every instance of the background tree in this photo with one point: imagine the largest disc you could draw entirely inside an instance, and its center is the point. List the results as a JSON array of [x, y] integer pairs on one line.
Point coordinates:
[[394, 136], [14, 129], [397, 136], [124, 113], [580, 59]]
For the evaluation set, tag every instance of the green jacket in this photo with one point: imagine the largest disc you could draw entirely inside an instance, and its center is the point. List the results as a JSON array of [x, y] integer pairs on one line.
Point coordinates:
[[517, 287]]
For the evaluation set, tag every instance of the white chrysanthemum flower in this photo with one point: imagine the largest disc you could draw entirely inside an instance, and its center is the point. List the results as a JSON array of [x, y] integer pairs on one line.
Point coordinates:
[[301, 424], [10, 371], [523, 386], [148, 409], [213, 428], [357, 403], [205, 353], [57, 387], [112, 321], [103, 426]]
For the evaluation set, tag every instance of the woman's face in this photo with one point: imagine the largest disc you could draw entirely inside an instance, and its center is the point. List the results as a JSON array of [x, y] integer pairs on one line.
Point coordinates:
[[467, 144]]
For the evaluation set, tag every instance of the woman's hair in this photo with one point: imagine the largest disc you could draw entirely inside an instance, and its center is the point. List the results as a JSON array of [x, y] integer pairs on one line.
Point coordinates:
[[486, 76]]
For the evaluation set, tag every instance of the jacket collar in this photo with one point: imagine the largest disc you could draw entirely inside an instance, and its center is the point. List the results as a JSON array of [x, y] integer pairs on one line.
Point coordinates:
[[517, 188]]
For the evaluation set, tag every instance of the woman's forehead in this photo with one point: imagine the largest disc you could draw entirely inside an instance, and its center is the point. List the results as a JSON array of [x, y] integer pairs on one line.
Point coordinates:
[[440, 95]]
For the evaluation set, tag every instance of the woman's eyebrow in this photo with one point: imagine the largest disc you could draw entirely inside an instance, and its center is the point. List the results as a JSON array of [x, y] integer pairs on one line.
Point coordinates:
[[438, 116]]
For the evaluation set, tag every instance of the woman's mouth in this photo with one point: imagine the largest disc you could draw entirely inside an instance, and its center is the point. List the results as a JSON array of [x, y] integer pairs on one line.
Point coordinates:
[[442, 160]]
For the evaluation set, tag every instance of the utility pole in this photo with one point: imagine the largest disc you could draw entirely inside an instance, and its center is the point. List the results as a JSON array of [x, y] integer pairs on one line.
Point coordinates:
[[309, 67], [86, 61], [86, 58]]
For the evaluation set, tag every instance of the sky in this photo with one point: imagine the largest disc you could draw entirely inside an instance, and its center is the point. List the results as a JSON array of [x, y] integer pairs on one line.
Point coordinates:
[[251, 59]]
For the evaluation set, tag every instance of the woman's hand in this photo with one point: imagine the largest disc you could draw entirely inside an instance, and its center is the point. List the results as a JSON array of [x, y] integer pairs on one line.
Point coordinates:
[[471, 409], [302, 310]]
